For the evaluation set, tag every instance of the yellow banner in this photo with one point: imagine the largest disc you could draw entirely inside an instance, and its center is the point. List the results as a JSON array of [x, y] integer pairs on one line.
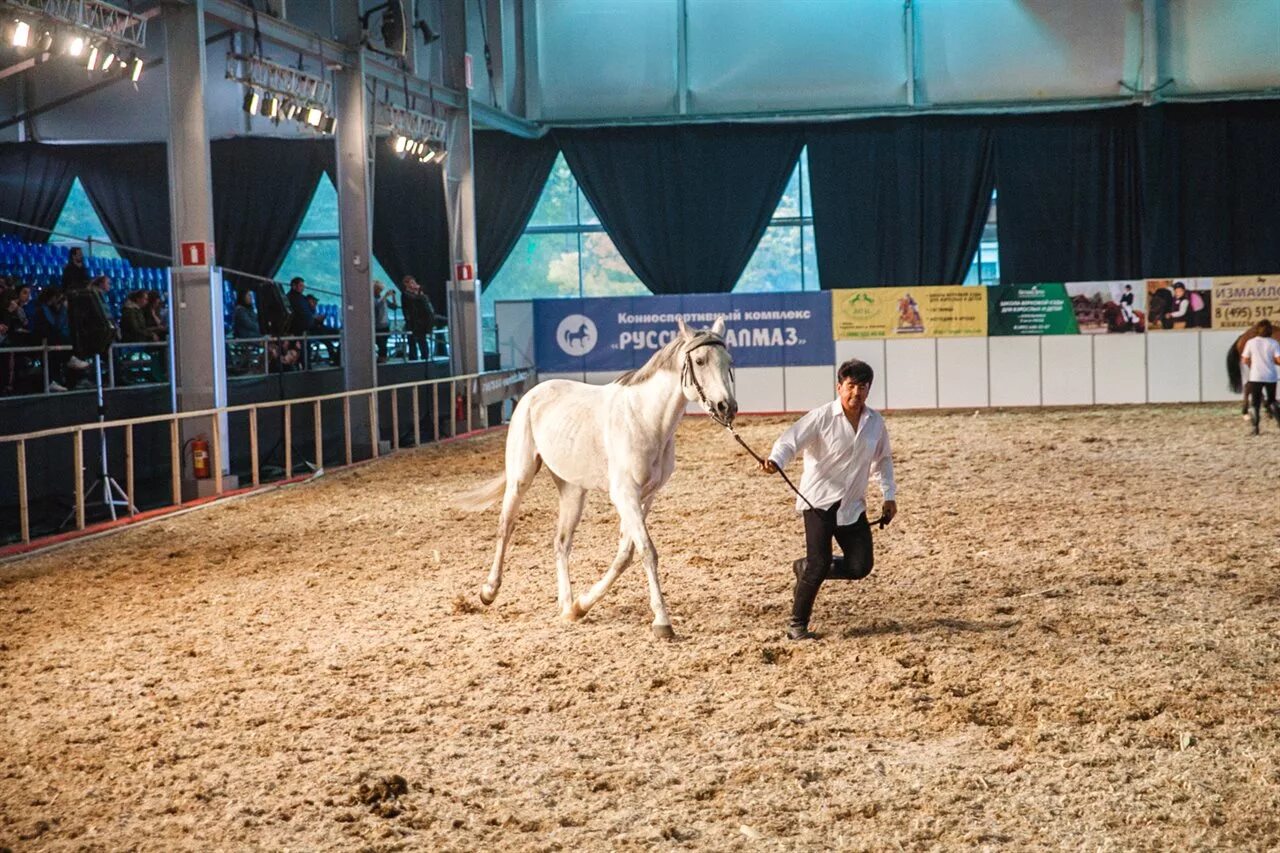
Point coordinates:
[[909, 312], [1241, 301]]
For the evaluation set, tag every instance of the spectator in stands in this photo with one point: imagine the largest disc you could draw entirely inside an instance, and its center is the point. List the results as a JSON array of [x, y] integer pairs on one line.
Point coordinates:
[[134, 328], [317, 321], [419, 317], [383, 299], [74, 274], [245, 320], [157, 315], [301, 312], [13, 333]]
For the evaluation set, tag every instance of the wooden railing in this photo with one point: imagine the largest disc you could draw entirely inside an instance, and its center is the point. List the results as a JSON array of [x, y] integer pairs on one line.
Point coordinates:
[[484, 384]]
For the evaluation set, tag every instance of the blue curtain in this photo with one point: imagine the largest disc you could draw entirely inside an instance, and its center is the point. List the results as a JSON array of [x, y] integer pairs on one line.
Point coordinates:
[[261, 190], [685, 205], [129, 188], [410, 223], [35, 180], [1070, 196], [1213, 189], [510, 173], [898, 201]]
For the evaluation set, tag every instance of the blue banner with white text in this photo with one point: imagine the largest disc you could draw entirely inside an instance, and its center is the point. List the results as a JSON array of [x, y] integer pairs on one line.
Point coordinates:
[[621, 333]]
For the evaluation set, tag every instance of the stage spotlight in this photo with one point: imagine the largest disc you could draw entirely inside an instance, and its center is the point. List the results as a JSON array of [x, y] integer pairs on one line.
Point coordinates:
[[92, 64], [272, 108], [314, 115], [21, 34], [137, 69], [46, 43], [76, 46], [399, 144], [107, 63], [252, 100], [329, 124]]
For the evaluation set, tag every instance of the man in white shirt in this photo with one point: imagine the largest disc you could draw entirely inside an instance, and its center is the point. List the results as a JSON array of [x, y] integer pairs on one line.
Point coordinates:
[[845, 444], [1261, 356]]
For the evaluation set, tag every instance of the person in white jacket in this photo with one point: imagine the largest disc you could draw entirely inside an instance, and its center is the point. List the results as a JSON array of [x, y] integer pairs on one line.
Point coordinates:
[[845, 444], [1261, 356]]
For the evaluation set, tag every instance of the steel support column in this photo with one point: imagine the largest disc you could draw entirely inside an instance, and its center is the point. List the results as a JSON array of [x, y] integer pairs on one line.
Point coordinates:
[[463, 294], [355, 225], [196, 312]]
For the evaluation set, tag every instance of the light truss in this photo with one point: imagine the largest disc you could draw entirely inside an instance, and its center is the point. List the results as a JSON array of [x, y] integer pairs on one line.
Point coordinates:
[[96, 17], [281, 80], [409, 123]]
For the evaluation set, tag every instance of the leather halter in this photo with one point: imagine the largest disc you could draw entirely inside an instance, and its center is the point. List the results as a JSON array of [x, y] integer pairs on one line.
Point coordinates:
[[688, 374]]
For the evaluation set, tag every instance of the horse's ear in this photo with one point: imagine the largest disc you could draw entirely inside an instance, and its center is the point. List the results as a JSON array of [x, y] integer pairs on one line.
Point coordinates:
[[717, 328], [684, 330]]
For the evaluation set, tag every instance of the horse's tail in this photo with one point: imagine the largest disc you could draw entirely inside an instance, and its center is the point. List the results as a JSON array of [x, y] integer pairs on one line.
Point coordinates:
[[483, 496], [1233, 370]]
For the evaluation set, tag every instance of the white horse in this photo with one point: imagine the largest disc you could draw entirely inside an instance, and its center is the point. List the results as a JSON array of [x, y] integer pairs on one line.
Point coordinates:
[[618, 438]]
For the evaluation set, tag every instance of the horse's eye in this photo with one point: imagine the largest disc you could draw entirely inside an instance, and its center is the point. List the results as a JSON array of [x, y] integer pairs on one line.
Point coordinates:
[[700, 360]]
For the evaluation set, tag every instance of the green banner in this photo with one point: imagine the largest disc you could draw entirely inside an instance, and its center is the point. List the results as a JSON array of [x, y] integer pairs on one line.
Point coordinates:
[[1030, 309]]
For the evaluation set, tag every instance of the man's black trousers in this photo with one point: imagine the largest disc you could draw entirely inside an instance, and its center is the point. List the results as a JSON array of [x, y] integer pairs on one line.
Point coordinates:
[[819, 529]]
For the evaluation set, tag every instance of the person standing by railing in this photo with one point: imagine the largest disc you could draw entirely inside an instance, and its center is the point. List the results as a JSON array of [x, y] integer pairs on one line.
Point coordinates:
[[419, 318], [383, 299], [74, 274]]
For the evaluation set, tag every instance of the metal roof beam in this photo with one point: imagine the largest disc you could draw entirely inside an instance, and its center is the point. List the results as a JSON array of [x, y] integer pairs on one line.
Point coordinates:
[[231, 14]]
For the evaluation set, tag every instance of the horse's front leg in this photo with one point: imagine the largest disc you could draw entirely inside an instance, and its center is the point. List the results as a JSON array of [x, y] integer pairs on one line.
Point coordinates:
[[627, 498]]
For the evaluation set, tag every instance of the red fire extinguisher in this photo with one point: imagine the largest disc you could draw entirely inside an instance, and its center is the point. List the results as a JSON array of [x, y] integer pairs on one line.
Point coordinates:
[[200, 457], [460, 408]]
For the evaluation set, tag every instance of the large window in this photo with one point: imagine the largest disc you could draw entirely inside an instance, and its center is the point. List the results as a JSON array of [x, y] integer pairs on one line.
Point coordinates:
[[80, 220], [565, 252], [316, 253]]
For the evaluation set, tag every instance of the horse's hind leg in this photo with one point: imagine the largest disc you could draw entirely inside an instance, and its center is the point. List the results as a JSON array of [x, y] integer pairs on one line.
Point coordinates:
[[572, 499]]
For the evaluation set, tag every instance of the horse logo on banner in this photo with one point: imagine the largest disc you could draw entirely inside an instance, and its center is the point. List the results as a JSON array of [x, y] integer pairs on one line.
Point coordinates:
[[577, 334]]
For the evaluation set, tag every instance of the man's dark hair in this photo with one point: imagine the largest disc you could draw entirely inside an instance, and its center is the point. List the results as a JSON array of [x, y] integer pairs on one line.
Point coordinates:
[[297, 279], [858, 371], [1264, 328]]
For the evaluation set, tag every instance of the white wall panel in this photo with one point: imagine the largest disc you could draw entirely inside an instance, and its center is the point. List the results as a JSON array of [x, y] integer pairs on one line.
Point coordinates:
[[597, 377], [819, 54], [1066, 370], [600, 58], [1119, 369], [759, 389], [1003, 50], [962, 372], [1173, 367], [1015, 371], [515, 333], [1214, 344], [809, 387], [872, 352], [1220, 45], [912, 374]]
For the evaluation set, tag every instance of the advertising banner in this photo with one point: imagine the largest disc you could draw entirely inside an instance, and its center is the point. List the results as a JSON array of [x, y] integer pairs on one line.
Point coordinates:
[[1030, 309], [909, 312], [496, 387], [1241, 301], [1179, 303], [1108, 306], [622, 333]]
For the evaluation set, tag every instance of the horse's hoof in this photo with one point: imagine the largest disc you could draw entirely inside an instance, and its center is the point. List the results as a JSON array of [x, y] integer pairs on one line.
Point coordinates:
[[664, 632], [575, 612], [487, 595]]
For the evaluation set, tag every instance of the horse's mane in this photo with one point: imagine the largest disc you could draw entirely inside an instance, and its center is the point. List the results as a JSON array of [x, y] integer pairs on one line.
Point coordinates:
[[662, 359]]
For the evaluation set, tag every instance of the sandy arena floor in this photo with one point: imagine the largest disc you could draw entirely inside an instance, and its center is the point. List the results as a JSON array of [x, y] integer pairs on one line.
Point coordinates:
[[1070, 641]]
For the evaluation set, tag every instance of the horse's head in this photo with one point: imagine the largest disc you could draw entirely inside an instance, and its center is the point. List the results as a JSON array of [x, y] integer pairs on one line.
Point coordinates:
[[706, 371]]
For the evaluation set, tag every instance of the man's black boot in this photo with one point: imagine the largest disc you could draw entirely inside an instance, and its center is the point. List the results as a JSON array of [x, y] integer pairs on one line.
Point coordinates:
[[801, 609]]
